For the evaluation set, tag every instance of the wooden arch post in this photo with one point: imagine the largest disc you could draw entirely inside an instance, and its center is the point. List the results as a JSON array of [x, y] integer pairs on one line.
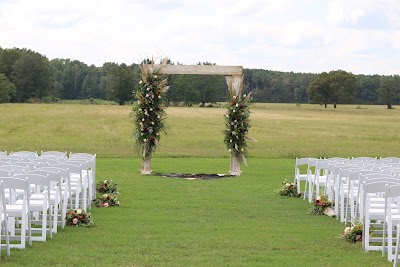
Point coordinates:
[[233, 75]]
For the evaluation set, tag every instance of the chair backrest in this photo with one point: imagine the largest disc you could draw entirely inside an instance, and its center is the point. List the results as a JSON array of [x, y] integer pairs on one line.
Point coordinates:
[[5, 172], [49, 161], [392, 159], [56, 153], [3, 153], [51, 176], [28, 165], [365, 159], [379, 187], [14, 168], [36, 179], [28, 154]]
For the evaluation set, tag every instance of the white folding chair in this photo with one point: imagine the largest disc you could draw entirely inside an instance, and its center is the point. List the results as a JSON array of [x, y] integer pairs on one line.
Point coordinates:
[[4, 222], [374, 213], [392, 219], [320, 178], [18, 212], [56, 199], [91, 158], [77, 189], [38, 207], [298, 174]]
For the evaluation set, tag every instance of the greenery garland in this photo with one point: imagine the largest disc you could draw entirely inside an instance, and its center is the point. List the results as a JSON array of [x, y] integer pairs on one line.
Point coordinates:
[[237, 123], [148, 112]]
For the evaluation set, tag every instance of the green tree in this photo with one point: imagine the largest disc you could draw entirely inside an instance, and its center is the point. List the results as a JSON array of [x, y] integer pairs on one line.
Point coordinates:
[[335, 87], [344, 87], [389, 90], [319, 90], [7, 89], [32, 76], [121, 84]]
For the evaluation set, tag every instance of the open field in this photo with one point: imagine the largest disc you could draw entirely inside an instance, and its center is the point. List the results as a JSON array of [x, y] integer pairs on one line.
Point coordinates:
[[229, 222], [282, 130], [175, 222]]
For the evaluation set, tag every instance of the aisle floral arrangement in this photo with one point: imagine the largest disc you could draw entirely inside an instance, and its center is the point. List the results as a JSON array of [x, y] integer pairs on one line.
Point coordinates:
[[107, 200], [148, 112], [353, 233], [288, 189], [79, 217], [107, 186], [237, 123], [322, 205]]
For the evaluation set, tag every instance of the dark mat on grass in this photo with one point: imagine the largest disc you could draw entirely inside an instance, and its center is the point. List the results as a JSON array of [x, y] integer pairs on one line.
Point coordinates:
[[195, 176]]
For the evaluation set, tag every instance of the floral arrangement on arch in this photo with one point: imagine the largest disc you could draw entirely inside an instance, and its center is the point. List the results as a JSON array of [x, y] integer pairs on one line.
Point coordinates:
[[79, 217], [107, 186], [288, 189], [148, 111], [322, 205], [237, 122], [107, 200], [353, 233]]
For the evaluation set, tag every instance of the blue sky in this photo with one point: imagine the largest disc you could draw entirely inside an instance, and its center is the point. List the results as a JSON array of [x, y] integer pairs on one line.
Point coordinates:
[[361, 36]]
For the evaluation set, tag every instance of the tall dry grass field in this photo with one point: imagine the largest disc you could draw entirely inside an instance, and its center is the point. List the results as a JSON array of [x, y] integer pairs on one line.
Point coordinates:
[[282, 130]]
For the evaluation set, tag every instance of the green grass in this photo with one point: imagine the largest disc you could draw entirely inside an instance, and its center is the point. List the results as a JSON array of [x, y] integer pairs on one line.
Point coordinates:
[[175, 222], [229, 222], [282, 130]]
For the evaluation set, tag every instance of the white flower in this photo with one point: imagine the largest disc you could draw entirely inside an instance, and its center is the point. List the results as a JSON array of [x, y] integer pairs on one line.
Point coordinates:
[[241, 149], [231, 123], [244, 95], [141, 134], [79, 211], [158, 117], [235, 121], [237, 104], [159, 96], [234, 110], [228, 129], [144, 140], [234, 97], [230, 140], [142, 119], [147, 95], [157, 134], [227, 115], [155, 76], [140, 82], [229, 150], [138, 102], [151, 109], [105, 195], [233, 132], [152, 123]]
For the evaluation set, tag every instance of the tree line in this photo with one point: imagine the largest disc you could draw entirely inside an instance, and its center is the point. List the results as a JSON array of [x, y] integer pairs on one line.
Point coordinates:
[[26, 75]]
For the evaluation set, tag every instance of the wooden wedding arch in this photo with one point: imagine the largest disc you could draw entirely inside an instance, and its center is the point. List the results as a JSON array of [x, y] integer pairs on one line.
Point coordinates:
[[234, 78]]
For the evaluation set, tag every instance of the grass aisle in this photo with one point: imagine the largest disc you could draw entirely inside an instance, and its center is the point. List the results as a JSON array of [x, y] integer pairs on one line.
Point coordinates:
[[175, 222]]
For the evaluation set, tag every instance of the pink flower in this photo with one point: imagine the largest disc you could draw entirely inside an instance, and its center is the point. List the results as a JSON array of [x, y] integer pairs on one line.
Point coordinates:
[[75, 221], [106, 205]]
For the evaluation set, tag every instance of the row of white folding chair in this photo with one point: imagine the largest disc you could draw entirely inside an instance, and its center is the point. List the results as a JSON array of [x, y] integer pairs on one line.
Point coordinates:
[[90, 160], [15, 211], [3, 222], [3, 153], [85, 183]]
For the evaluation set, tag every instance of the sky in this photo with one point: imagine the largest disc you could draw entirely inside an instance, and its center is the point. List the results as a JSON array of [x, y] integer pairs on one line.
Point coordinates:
[[360, 36]]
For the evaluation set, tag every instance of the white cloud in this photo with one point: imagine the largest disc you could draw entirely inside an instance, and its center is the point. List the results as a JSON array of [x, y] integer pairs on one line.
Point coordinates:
[[289, 35]]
